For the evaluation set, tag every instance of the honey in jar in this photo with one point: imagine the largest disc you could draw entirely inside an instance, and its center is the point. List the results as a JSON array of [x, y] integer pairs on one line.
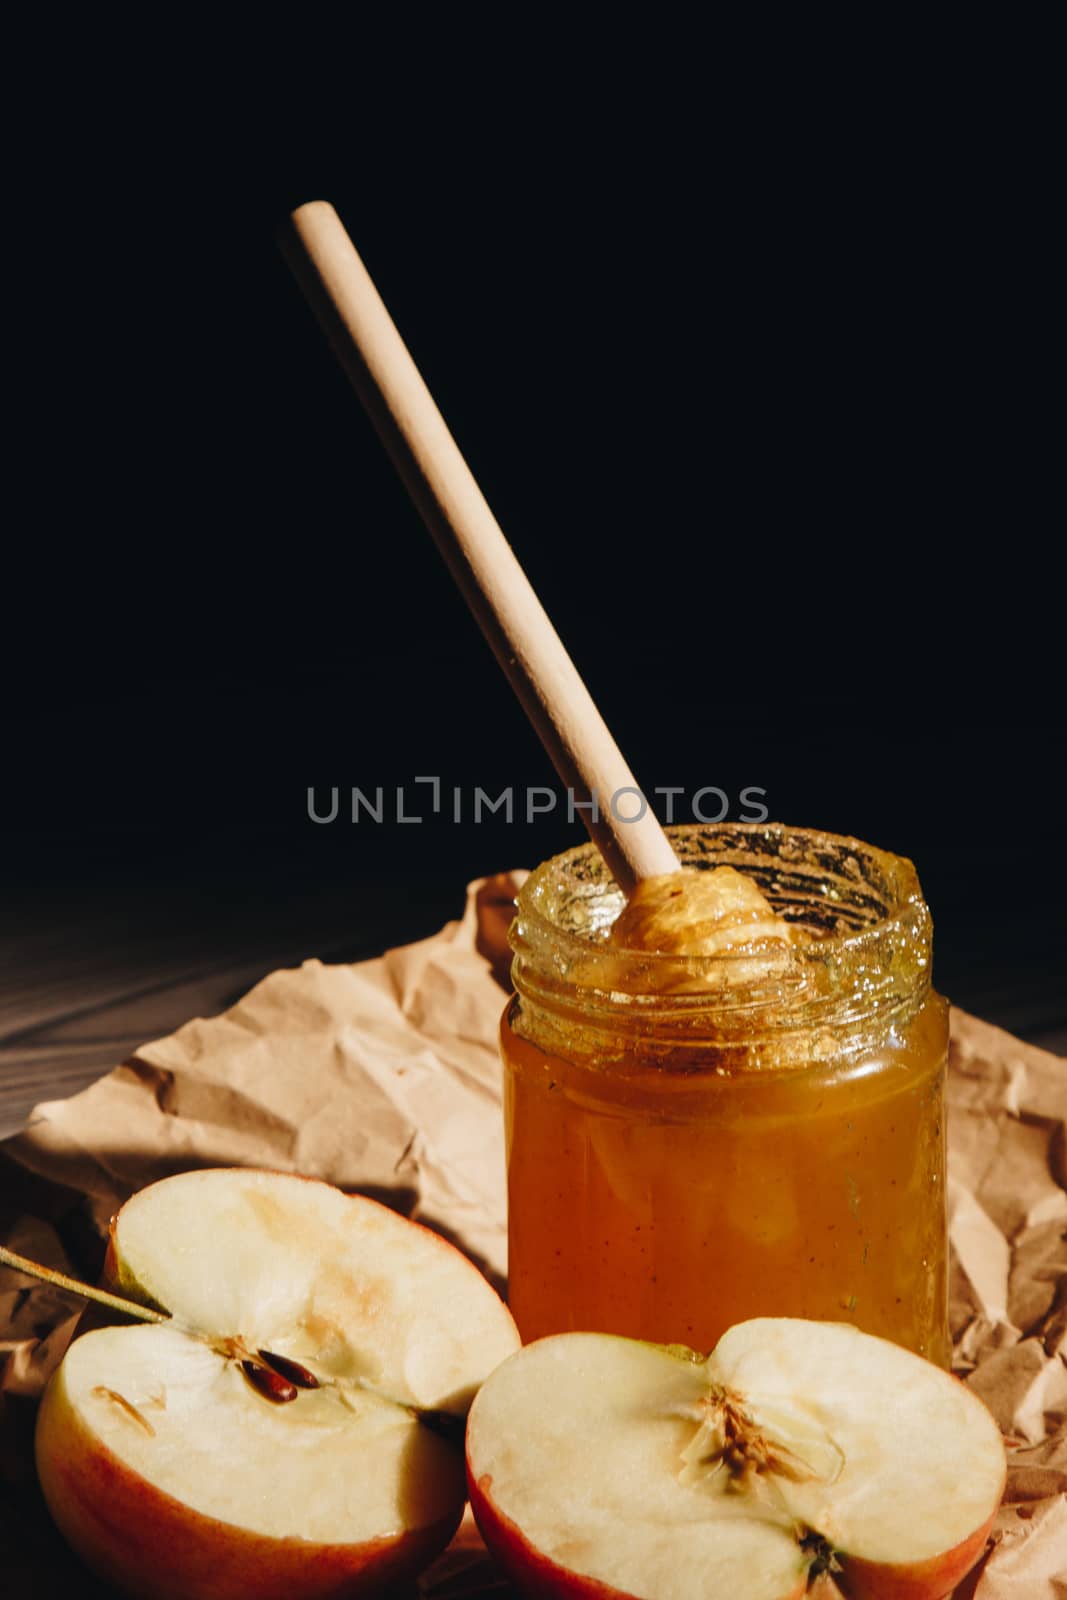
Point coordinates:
[[729, 1127]]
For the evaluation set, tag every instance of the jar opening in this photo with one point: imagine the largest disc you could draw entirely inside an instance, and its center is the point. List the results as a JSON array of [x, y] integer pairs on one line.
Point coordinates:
[[863, 944]]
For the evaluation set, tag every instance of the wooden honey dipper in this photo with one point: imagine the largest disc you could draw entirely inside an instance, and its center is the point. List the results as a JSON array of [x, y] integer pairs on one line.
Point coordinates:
[[496, 589]]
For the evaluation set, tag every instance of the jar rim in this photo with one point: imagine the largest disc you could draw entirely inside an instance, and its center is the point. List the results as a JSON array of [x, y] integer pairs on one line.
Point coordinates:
[[871, 943]]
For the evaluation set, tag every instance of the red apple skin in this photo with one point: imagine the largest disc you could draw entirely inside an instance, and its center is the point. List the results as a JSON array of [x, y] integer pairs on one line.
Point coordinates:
[[148, 1545], [532, 1573], [928, 1580]]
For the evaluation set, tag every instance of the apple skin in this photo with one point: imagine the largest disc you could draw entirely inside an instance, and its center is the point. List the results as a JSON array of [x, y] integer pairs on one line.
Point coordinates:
[[928, 1580], [532, 1573], [118, 1523]]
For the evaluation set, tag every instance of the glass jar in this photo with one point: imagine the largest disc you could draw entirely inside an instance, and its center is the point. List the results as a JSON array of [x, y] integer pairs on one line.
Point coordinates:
[[696, 1140]]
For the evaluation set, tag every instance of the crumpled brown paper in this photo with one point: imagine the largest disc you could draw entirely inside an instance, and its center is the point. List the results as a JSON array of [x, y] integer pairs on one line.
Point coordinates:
[[384, 1077], [1007, 1134]]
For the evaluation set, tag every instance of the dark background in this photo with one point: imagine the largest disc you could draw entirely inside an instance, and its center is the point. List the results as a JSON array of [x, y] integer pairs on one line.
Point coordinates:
[[760, 399]]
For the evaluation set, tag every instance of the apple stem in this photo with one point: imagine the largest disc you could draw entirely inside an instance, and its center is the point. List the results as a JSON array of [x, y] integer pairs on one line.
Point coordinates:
[[60, 1280]]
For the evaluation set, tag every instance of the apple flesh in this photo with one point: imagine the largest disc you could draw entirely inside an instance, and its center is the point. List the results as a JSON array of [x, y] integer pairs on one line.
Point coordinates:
[[796, 1452], [283, 1434]]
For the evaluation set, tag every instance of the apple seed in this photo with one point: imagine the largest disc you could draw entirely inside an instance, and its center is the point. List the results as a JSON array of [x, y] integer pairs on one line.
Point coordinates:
[[293, 1370], [270, 1384]]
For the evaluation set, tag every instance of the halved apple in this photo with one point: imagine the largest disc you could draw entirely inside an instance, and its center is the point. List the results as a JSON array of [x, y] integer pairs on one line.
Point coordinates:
[[284, 1433], [600, 1466]]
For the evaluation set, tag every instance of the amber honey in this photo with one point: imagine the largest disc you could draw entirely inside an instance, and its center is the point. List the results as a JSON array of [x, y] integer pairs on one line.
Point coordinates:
[[684, 1156]]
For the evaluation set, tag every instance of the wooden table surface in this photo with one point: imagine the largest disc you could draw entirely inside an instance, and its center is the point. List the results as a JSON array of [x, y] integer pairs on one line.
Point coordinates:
[[86, 978]]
